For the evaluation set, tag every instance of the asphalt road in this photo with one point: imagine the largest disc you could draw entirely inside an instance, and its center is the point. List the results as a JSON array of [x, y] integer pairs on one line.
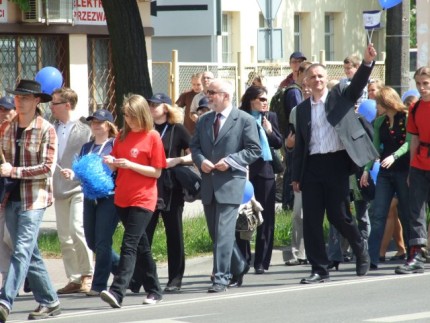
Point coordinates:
[[276, 296]]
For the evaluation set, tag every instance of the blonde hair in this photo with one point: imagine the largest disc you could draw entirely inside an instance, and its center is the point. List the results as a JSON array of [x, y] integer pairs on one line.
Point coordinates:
[[67, 94], [389, 99], [113, 130], [138, 109], [173, 115]]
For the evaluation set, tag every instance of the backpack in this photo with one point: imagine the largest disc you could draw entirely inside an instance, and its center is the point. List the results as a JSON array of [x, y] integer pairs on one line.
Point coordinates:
[[277, 106], [414, 108]]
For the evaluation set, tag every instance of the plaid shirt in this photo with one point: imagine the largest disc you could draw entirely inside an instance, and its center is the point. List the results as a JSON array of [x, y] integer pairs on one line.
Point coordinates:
[[37, 160]]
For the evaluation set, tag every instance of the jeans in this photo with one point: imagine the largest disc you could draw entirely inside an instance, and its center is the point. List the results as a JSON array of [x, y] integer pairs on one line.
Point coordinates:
[[388, 183], [26, 260], [135, 248], [419, 186], [100, 222]]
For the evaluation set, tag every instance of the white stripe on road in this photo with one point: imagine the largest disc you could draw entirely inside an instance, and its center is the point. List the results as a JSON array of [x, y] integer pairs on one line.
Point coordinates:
[[224, 296], [401, 318]]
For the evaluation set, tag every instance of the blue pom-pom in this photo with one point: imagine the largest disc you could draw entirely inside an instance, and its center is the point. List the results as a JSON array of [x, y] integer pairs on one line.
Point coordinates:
[[96, 178]]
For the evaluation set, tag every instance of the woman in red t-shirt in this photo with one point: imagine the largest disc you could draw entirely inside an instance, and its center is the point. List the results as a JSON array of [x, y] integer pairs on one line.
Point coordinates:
[[138, 156]]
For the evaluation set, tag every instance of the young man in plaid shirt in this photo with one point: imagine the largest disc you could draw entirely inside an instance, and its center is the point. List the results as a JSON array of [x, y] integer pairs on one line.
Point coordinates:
[[29, 145]]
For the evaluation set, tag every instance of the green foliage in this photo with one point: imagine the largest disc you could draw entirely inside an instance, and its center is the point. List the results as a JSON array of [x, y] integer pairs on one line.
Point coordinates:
[[413, 25], [24, 5]]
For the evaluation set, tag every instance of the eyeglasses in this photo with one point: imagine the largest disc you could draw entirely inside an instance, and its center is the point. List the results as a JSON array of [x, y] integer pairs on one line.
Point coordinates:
[[262, 99], [154, 105], [211, 92], [56, 103]]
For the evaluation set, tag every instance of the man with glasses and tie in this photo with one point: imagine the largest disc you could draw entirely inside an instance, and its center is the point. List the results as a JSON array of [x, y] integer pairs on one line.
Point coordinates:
[[225, 142], [69, 199]]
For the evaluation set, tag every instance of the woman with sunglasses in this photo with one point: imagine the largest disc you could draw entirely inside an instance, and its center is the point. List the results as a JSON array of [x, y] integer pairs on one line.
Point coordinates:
[[262, 177], [138, 157]]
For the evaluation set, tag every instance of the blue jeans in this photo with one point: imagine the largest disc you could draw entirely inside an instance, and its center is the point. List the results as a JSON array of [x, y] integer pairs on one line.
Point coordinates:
[[26, 259], [388, 183], [100, 222]]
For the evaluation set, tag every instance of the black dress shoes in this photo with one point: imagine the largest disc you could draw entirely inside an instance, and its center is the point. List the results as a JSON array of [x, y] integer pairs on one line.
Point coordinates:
[[237, 280], [217, 288], [362, 264], [315, 278]]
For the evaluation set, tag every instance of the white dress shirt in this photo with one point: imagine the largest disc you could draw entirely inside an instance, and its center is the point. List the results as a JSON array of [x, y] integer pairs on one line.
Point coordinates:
[[324, 138]]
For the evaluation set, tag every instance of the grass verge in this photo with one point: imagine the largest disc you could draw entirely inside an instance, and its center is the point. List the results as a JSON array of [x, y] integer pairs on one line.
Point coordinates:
[[196, 237]]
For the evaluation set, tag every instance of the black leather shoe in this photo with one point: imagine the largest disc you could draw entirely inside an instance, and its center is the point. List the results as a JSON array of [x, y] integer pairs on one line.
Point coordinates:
[[217, 288], [259, 270], [315, 278], [172, 288], [43, 312], [236, 281], [362, 264], [333, 265]]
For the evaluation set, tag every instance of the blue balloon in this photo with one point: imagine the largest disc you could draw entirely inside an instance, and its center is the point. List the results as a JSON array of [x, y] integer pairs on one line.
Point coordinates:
[[248, 193], [50, 79], [375, 170], [411, 92], [367, 109], [387, 4]]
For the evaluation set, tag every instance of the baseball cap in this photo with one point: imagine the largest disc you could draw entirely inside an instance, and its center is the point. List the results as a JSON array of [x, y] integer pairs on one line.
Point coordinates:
[[160, 98], [101, 115], [203, 103], [298, 55], [7, 102]]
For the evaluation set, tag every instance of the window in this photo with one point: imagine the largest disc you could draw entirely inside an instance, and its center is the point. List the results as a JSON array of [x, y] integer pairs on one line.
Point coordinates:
[[329, 36], [100, 75], [22, 56], [227, 55], [297, 32]]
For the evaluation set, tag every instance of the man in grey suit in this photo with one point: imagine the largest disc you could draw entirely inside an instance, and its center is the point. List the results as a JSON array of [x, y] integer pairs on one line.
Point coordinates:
[[330, 142], [225, 142]]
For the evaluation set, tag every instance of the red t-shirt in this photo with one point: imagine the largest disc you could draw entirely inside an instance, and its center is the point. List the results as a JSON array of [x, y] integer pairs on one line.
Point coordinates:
[[418, 124], [132, 188]]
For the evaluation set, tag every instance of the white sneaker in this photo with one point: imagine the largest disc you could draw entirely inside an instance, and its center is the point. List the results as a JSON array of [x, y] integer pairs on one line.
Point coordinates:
[[152, 299], [110, 299]]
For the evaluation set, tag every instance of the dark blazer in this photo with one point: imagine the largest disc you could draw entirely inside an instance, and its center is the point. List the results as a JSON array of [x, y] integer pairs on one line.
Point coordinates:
[[263, 168], [340, 113], [238, 138]]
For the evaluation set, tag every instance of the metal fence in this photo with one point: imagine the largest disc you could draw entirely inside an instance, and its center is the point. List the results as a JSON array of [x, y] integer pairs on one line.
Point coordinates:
[[174, 77]]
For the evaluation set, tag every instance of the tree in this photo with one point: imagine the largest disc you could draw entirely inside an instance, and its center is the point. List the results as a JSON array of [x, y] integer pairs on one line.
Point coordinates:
[[129, 55]]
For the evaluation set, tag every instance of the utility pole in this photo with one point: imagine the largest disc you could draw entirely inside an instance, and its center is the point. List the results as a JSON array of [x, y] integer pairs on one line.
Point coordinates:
[[397, 46]]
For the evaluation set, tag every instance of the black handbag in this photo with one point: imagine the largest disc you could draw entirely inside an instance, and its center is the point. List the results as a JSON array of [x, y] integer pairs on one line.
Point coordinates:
[[166, 182], [277, 164]]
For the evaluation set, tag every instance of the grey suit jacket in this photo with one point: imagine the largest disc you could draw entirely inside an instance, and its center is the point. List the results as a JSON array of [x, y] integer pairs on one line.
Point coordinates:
[[238, 138], [341, 115]]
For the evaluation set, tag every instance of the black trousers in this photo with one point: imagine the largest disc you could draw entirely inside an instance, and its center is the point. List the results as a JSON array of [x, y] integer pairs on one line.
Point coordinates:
[[174, 237], [325, 190], [135, 248]]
